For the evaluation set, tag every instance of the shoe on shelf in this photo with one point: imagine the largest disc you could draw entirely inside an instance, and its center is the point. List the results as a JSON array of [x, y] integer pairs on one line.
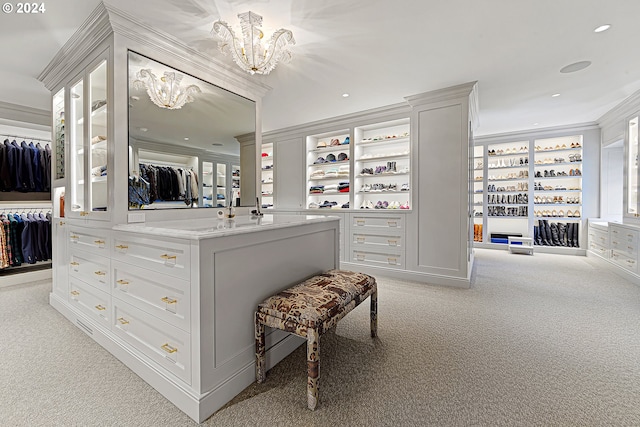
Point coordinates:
[[405, 206]]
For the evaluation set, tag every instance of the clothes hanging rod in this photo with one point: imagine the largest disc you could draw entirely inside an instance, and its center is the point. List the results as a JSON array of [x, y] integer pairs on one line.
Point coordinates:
[[24, 137], [161, 163]]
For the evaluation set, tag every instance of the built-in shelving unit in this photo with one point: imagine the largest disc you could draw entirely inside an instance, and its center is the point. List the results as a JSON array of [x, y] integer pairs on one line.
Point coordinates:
[[267, 184], [329, 171]]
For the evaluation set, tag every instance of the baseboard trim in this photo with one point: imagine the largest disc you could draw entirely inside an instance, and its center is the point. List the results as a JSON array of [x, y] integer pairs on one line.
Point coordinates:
[[198, 407], [25, 277], [633, 278], [559, 250], [415, 276]]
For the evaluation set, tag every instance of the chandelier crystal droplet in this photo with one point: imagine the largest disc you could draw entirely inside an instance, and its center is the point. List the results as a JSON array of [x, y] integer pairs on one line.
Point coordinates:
[[165, 91], [249, 52]]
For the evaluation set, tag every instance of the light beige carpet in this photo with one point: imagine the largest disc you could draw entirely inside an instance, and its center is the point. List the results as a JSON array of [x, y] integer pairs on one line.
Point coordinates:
[[542, 340]]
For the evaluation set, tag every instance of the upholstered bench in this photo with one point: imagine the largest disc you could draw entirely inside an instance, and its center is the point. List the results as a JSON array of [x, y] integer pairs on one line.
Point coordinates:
[[311, 308]]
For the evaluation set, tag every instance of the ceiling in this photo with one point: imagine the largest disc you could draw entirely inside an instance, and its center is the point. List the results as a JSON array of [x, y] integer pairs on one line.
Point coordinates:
[[381, 51]]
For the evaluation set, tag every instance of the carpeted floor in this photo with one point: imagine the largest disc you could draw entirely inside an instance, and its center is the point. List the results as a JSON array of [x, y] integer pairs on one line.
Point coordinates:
[[542, 340]]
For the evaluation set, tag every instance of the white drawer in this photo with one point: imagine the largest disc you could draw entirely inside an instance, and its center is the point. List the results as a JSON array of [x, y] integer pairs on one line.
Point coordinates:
[[166, 345], [623, 235], [90, 268], [599, 250], [622, 245], [94, 241], [162, 296], [599, 237], [364, 241], [390, 259], [93, 302], [624, 261], [164, 256], [377, 221]]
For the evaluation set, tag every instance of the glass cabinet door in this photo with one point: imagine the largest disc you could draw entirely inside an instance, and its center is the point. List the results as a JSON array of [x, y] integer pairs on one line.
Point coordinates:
[[221, 185], [632, 169], [76, 140], [207, 185], [97, 145], [58, 134]]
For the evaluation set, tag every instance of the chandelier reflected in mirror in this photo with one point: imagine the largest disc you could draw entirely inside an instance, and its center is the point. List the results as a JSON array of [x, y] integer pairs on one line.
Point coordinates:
[[165, 91], [249, 52]]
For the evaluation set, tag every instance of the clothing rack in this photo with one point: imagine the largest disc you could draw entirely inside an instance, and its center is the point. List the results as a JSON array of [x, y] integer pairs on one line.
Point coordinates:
[[24, 137]]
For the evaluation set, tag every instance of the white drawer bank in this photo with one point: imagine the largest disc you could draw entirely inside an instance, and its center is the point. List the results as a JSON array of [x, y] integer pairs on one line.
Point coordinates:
[[175, 300]]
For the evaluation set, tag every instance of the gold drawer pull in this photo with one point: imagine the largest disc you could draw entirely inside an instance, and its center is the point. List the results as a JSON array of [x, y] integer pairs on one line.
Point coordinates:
[[75, 293], [630, 247], [100, 307], [62, 223], [73, 237], [392, 223], [122, 247], [166, 347], [360, 222], [166, 256], [392, 260], [123, 321], [83, 213], [99, 273], [360, 257], [75, 264], [99, 242], [360, 239], [629, 235], [122, 282], [614, 242], [169, 300], [393, 242]]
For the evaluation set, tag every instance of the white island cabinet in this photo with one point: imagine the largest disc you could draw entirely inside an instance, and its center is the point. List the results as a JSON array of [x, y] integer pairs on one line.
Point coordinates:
[[175, 300]]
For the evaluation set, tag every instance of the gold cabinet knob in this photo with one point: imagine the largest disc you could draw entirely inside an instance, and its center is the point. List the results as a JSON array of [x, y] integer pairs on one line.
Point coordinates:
[[75, 293], [99, 242], [75, 264], [99, 273], [62, 223], [122, 247], [100, 307], [166, 347], [122, 282], [169, 300], [73, 237], [123, 321]]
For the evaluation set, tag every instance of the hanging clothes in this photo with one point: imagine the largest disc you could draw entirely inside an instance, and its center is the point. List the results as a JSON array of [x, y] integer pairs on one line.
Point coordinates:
[[25, 166]]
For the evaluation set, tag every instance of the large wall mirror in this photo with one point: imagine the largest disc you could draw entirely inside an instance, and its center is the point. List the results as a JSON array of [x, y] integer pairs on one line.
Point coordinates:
[[199, 154]]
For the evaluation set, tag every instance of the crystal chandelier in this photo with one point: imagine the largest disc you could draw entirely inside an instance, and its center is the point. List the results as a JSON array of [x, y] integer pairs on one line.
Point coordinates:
[[165, 91], [249, 52]]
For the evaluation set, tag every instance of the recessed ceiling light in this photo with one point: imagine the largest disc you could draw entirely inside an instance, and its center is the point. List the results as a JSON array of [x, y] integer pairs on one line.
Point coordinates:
[[345, 95], [576, 66], [143, 129], [217, 144], [186, 139], [602, 28], [555, 95]]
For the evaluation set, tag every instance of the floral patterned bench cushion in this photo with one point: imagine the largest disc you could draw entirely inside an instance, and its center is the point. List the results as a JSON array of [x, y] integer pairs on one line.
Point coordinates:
[[319, 298]]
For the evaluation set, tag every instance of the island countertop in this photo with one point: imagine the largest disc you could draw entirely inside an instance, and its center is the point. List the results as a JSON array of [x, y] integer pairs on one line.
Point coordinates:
[[198, 229]]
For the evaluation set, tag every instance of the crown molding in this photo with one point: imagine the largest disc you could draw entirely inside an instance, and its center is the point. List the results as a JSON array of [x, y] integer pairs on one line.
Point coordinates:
[[338, 123], [21, 113], [623, 110], [447, 94], [107, 20], [93, 31], [536, 133]]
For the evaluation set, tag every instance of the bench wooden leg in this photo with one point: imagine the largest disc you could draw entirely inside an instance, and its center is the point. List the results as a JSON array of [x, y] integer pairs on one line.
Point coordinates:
[[374, 314], [260, 351], [313, 367]]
